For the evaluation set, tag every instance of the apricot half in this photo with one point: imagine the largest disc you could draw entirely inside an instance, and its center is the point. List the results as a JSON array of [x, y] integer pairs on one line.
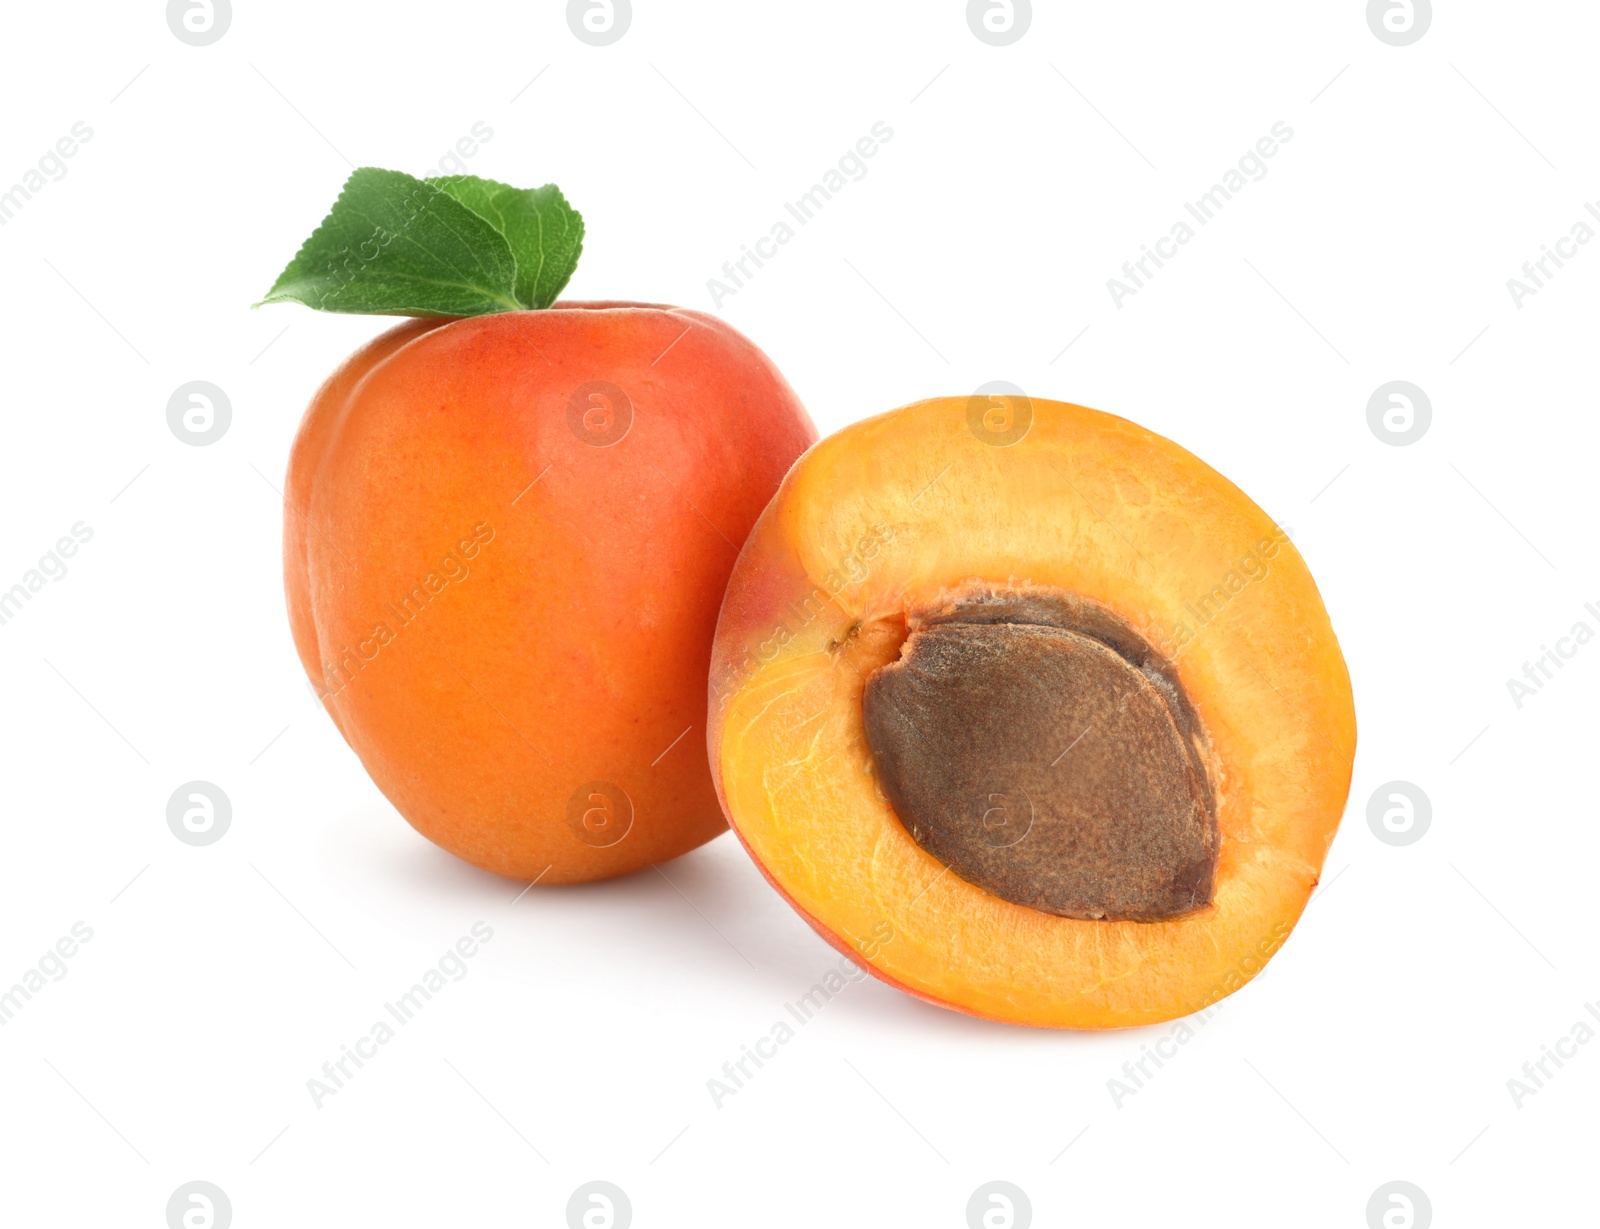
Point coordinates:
[[506, 540], [1030, 712]]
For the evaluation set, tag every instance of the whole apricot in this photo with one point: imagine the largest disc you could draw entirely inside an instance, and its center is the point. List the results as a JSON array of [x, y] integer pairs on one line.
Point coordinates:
[[506, 540]]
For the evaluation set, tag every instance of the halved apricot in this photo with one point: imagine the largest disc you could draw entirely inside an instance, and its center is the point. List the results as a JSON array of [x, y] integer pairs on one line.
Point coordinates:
[[1031, 712]]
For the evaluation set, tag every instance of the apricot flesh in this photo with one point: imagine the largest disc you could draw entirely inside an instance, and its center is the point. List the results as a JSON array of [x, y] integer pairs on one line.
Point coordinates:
[[506, 540], [1167, 871]]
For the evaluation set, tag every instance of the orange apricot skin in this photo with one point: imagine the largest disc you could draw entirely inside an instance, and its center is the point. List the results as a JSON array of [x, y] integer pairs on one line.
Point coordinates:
[[890, 514], [503, 584]]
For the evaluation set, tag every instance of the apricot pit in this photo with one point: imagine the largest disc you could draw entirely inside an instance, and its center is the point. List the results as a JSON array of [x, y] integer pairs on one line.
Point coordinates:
[[1037, 745]]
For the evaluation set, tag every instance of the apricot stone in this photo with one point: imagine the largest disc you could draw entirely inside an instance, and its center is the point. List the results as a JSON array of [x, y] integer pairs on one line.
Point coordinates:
[[1031, 713], [506, 539], [1116, 823]]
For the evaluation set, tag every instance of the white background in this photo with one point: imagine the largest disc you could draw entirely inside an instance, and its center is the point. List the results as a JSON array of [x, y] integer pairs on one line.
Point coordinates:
[[1379, 1043]]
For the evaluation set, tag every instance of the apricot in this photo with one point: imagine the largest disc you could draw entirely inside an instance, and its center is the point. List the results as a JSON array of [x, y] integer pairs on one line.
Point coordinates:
[[1031, 713], [506, 540]]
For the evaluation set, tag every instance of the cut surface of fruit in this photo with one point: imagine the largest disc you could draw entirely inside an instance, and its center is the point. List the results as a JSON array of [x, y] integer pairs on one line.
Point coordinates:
[[1048, 726]]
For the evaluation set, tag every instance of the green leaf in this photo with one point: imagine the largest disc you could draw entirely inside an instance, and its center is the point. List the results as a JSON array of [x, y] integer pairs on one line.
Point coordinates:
[[397, 245], [545, 233]]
